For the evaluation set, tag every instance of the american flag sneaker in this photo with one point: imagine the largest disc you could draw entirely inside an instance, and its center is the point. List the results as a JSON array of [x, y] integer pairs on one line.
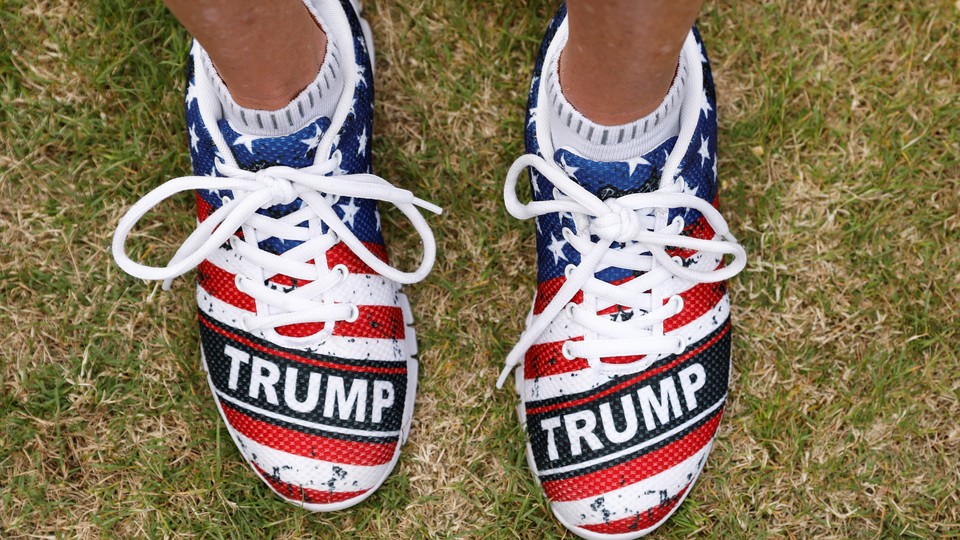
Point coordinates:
[[306, 336], [623, 368]]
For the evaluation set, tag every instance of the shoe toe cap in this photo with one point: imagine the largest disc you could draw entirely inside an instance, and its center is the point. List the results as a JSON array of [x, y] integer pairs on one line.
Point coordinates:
[[309, 490], [627, 513], [625, 503], [318, 472]]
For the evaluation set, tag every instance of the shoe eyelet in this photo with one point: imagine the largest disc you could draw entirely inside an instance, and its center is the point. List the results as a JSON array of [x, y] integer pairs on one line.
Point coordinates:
[[566, 233], [342, 270], [679, 223], [238, 282], [354, 314], [244, 323], [678, 301], [569, 270], [681, 346], [568, 309], [566, 352]]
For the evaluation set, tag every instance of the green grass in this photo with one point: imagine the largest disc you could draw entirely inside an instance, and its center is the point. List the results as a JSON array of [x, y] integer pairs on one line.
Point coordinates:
[[840, 160]]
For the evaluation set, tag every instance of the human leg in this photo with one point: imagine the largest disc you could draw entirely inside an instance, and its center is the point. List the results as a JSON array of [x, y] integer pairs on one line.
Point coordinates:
[[266, 52], [621, 56]]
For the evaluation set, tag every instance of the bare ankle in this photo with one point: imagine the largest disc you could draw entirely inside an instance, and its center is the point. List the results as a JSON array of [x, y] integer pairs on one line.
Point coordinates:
[[271, 86], [611, 98]]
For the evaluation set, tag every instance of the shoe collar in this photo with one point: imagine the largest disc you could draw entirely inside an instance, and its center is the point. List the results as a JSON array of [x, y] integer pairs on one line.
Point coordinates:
[[338, 28], [689, 107]]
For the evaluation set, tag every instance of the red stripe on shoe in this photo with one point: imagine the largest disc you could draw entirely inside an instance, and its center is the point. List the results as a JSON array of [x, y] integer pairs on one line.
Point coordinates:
[[646, 374], [307, 445], [641, 520], [287, 281], [545, 359], [220, 284], [302, 359], [203, 207], [697, 301], [623, 359], [597, 483], [306, 495], [547, 290], [699, 229], [616, 308], [378, 322], [340, 253], [222, 287]]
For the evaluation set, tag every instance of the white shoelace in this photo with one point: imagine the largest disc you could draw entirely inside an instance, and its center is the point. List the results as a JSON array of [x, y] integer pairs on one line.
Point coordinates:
[[629, 220], [263, 189]]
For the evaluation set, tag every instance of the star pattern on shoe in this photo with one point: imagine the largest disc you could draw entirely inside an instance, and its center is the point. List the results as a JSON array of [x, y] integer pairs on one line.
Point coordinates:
[[569, 169], [686, 187], [350, 212], [362, 142], [704, 150], [313, 141], [633, 163], [535, 184], [556, 248], [246, 141], [194, 139], [361, 75], [192, 93], [705, 107]]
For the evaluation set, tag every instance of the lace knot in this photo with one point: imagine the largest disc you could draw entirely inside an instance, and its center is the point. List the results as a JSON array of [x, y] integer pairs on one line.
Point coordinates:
[[281, 189], [619, 225]]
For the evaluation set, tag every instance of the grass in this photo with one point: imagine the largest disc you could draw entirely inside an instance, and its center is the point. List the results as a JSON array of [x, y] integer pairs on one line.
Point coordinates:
[[840, 160]]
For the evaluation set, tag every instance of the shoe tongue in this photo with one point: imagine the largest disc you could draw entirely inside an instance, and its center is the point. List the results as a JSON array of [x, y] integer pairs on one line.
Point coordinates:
[[611, 179], [296, 150]]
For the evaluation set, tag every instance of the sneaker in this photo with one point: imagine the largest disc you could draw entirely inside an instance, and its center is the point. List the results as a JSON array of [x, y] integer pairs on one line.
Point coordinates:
[[306, 337], [623, 368]]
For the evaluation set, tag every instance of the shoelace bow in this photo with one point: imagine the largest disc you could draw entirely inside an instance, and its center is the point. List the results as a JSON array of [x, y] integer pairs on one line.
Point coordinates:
[[630, 221], [263, 189]]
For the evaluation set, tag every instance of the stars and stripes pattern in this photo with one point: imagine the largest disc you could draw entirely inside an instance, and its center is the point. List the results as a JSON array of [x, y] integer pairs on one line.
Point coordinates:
[[319, 413], [616, 454]]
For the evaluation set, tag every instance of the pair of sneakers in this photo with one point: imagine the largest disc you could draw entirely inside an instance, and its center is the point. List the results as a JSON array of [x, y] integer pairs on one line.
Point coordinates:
[[308, 340]]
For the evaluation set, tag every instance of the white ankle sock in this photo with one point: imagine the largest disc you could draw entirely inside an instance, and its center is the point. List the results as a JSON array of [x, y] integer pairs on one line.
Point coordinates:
[[318, 99], [570, 128]]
